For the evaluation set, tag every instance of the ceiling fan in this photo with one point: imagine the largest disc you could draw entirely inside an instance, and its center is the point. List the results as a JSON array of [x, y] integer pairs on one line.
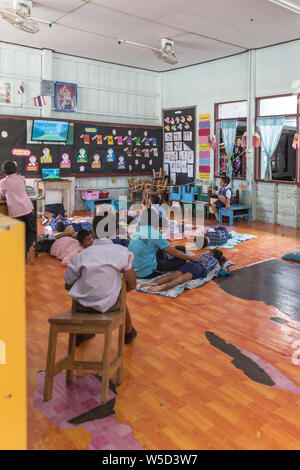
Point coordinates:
[[20, 16], [166, 52]]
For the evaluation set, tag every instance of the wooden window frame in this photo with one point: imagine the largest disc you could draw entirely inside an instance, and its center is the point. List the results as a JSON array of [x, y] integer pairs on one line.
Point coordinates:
[[257, 150], [217, 120]]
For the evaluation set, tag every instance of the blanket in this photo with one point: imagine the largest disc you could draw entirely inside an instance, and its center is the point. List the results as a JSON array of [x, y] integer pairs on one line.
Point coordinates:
[[176, 291]]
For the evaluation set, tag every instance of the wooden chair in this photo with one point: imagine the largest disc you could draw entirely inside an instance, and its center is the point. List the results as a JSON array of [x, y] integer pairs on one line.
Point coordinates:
[[75, 323]]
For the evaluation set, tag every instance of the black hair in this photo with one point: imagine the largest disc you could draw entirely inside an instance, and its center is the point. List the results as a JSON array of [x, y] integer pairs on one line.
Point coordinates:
[[9, 167], [82, 234], [197, 240], [60, 227], [150, 217], [111, 223], [226, 179], [154, 199], [218, 254]]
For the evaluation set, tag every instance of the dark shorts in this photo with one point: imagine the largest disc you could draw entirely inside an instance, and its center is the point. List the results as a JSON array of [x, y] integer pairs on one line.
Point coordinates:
[[219, 204], [198, 270]]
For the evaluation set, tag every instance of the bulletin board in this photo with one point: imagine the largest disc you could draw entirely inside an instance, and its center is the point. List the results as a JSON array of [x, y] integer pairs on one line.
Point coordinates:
[[180, 142], [95, 149]]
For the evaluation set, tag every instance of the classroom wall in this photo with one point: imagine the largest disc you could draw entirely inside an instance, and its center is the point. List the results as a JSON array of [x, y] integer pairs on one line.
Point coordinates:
[[106, 93], [274, 72]]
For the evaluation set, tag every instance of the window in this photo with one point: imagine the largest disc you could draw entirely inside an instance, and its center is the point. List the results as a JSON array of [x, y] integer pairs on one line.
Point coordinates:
[[235, 115], [282, 162]]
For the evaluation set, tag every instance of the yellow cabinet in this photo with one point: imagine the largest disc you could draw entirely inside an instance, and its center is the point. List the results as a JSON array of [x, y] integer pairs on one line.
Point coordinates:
[[13, 416]]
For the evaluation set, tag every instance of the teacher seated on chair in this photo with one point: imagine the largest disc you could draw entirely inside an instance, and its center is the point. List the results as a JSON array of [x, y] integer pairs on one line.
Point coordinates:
[[145, 243]]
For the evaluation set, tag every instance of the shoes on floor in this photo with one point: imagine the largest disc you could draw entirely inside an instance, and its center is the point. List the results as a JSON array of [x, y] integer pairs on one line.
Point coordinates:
[[82, 338], [129, 337]]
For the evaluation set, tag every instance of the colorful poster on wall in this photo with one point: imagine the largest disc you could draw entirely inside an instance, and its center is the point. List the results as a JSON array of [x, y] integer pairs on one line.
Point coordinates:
[[5, 92], [204, 147], [179, 140]]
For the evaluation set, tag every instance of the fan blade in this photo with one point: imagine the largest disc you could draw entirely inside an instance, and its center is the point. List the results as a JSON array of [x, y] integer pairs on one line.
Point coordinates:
[[134, 44]]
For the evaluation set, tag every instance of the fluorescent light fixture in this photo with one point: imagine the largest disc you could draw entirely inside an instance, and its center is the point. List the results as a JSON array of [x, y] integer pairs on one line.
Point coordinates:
[[288, 5]]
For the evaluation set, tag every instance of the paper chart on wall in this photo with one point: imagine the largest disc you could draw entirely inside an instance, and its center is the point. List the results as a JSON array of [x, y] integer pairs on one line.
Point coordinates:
[[169, 146], [190, 171], [190, 157], [167, 156], [178, 166], [166, 169], [184, 166], [168, 137]]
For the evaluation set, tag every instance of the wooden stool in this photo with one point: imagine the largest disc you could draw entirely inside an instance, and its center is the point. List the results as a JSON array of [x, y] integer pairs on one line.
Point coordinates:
[[235, 212], [81, 323]]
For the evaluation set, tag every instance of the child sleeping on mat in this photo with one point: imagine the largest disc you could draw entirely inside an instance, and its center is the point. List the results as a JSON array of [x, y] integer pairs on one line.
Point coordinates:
[[213, 237], [189, 271]]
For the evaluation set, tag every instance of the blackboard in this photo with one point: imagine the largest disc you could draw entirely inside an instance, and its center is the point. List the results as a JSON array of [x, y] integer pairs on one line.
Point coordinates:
[[180, 144], [133, 150]]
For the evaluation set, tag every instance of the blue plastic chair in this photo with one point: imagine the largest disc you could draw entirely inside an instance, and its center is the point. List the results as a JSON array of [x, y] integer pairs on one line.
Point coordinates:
[[175, 196], [188, 193]]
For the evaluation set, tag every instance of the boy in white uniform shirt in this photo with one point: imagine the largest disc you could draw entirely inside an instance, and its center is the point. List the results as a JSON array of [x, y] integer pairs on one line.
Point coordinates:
[[93, 277]]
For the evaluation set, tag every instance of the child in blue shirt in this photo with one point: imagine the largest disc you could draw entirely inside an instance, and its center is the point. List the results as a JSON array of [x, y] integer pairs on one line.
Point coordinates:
[[225, 198], [145, 243], [189, 271]]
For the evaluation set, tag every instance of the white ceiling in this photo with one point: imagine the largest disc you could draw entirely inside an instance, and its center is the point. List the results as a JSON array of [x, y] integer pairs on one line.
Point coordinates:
[[202, 29]]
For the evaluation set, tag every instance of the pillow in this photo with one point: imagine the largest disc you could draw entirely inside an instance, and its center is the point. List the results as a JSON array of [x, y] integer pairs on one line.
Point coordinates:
[[292, 256]]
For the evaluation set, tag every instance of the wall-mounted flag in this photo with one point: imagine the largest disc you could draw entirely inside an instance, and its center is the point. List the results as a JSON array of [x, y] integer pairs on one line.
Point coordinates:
[[39, 101]]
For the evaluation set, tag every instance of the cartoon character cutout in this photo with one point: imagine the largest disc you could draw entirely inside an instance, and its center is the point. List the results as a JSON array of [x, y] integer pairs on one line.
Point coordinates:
[[46, 157], [110, 157], [130, 167], [177, 119], [146, 153], [119, 139], [65, 161], [168, 128], [109, 139], [86, 139], [82, 157], [136, 162], [97, 162], [155, 152], [154, 141], [138, 152], [122, 163], [128, 138], [128, 151], [146, 139], [82, 168], [98, 138], [138, 141], [32, 165]]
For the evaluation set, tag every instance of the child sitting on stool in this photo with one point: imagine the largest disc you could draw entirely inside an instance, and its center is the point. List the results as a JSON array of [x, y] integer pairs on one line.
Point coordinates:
[[189, 271], [225, 198]]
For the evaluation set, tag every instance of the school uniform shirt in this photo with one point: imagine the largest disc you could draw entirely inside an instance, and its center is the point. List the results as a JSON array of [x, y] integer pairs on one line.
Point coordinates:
[[13, 188], [226, 192], [144, 244], [95, 274], [217, 236]]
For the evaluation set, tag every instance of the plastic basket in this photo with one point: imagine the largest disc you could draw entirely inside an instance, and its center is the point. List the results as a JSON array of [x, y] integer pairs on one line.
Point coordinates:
[[90, 195], [103, 195]]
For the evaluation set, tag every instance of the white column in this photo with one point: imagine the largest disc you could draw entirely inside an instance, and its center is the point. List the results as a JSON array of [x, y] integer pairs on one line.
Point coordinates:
[[47, 58], [250, 177]]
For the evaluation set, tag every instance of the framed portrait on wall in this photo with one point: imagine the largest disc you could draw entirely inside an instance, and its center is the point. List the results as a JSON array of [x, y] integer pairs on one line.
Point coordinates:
[[66, 97], [5, 92]]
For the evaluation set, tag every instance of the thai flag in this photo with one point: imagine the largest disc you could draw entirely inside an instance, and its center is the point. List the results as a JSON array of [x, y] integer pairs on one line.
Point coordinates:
[[21, 89], [39, 101]]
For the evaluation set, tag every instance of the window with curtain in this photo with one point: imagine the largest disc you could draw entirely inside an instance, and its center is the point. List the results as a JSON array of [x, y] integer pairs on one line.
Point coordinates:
[[230, 126], [277, 123], [237, 158]]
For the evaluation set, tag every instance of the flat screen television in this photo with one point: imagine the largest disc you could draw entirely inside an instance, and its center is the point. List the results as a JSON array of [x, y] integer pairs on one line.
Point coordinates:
[[49, 131], [50, 173]]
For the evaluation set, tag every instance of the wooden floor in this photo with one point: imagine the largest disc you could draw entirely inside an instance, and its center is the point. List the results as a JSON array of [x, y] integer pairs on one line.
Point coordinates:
[[179, 392]]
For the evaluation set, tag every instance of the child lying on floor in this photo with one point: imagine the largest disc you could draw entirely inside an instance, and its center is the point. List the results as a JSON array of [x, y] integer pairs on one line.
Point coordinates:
[[213, 237], [188, 272]]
